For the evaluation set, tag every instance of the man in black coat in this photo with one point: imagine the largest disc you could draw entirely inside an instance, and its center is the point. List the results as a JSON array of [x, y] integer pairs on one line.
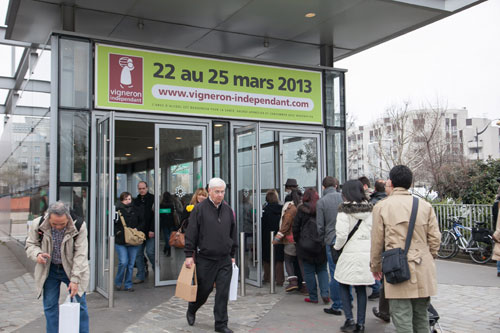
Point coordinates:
[[211, 238], [145, 202]]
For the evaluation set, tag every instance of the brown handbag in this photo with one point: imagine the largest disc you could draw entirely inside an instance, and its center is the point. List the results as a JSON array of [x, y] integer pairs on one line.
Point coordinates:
[[177, 238], [133, 236]]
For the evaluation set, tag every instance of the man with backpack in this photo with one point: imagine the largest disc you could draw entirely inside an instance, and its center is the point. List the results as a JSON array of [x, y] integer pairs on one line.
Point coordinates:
[[58, 243]]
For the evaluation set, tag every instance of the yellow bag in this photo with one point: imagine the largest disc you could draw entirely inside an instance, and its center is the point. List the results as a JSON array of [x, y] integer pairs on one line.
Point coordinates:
[[132, 235]]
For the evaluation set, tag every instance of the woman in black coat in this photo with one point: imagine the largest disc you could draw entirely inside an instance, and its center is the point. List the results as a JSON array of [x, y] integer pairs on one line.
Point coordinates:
[[271, 222], [126, 253]]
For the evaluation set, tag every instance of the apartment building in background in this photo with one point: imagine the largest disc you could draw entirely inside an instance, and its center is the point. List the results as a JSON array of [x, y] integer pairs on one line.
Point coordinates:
[[374, 148]]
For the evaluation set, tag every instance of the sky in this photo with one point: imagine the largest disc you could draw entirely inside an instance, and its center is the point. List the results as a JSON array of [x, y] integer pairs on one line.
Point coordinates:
[[454, 62]]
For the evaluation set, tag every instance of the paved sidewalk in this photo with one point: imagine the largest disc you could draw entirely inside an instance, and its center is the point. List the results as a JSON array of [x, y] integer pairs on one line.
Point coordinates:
[[468, 300]]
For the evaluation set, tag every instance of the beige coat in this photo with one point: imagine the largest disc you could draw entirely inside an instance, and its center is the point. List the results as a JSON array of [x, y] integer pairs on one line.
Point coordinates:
[[496, 238], [389, 230], [74, 251]]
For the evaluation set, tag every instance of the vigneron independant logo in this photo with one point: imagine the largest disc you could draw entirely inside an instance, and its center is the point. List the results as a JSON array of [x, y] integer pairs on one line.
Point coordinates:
[[125, 79]]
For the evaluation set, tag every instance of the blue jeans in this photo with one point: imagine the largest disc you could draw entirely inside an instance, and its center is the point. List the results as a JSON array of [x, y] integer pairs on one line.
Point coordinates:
[[347, 304], [498, 266], [51, 290], [310, 272], [126, 260], [149, 244], [334, 285], [376, 287], [166, 237]]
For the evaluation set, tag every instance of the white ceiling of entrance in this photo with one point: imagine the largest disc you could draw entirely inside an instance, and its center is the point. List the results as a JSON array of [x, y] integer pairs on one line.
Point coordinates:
[[275, 30]]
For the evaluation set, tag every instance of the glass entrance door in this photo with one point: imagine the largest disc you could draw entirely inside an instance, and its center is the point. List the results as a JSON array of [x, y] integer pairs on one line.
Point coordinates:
[[104, 202], [248, 199], [300, 158], [180, 168]]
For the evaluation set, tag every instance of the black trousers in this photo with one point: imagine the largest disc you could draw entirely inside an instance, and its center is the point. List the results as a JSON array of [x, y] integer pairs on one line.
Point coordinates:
[[383, 303], [208, 272]]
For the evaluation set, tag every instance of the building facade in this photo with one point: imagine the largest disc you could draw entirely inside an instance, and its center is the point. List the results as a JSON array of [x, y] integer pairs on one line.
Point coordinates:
[[372, 150]]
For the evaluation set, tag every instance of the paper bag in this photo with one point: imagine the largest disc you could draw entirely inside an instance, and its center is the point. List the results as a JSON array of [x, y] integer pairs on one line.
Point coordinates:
[[185, 288], [69, 316], [233, 289]]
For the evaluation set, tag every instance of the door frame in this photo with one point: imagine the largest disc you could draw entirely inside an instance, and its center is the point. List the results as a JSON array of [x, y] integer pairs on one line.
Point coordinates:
[[97, 115], [256, 204], [97, 119], [204, 158]]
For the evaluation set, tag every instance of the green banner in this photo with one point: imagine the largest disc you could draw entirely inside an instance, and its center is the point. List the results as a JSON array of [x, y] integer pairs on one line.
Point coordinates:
[[132, 79]]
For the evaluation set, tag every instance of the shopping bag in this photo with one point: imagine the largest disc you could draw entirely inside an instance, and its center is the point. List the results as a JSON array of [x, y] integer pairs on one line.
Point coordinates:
[[187, 284], [233, 289], [69, 316]]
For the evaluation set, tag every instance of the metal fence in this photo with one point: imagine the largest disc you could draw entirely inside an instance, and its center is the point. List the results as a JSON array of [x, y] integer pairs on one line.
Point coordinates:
[[471, 213]]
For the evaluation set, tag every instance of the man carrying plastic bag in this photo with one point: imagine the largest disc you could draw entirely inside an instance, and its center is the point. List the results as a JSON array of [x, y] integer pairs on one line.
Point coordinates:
[[58, 243]]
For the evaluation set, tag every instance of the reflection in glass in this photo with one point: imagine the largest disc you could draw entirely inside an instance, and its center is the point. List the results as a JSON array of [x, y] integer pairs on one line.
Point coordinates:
[[221, 154], [300, 160], [181, 173], [335, 115], [76, 197], [102, 205], [73, 143], [247, 201], [335, 154], [74, 73]]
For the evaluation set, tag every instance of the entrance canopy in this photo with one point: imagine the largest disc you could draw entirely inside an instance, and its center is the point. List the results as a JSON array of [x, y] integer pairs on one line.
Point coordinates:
[[308, 32]]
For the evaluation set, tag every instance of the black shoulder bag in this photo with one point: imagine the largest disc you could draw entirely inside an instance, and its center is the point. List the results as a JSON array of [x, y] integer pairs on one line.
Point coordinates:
[[336, 253], [394, 261]]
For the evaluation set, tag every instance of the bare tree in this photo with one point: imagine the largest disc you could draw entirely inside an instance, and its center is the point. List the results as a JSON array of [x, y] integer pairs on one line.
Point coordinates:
[[394, 140]]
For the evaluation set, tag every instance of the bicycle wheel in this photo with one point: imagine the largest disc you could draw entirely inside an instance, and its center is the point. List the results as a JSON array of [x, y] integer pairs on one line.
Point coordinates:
[[481, 252], [449, 246]]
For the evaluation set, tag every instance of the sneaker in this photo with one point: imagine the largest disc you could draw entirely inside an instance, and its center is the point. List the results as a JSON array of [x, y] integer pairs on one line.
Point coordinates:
[[308, 300], [118, 288], [326, 300], [374, 296], [349, 326]]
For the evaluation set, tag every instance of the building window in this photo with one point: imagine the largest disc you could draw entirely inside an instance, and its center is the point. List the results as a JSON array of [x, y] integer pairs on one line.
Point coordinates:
[[74, 75], [73, 146]]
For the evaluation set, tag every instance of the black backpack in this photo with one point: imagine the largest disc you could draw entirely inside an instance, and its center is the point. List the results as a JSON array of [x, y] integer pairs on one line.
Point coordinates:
[[76, 219], [309, 240]]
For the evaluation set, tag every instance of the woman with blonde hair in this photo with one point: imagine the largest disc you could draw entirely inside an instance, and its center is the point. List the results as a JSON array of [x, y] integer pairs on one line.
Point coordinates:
[[199, 195]]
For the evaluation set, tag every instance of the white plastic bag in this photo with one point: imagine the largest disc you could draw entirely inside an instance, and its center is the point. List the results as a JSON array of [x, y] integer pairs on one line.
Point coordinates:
[[233, 289], [69, 316]]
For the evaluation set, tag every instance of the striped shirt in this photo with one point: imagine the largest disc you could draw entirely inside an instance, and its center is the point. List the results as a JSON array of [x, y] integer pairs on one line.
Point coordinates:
[[57, 238]]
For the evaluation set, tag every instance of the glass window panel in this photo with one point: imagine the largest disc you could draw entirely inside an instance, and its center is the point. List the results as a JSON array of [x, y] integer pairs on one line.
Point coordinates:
[[73, 143], [181, 166], [221, 154], [42, 69], [335, 154], [24, 173], [76, 197], [74, 73], [335, 114]]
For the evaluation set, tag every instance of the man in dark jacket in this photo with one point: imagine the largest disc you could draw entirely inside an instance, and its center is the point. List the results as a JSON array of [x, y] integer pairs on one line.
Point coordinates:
[[326, 218], [144, 202], [379, 193], [211, 234]]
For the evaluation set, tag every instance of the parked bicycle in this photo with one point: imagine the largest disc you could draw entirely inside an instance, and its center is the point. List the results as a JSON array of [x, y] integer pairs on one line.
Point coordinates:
[[479, 244]]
